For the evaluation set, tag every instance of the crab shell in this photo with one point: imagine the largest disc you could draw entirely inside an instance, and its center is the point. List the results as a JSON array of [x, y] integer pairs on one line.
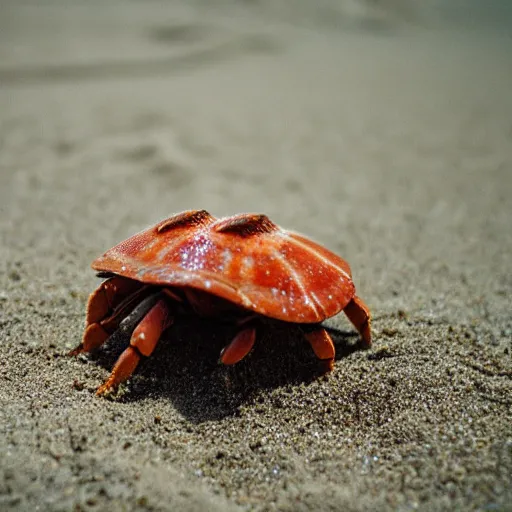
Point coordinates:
[[245, 259]]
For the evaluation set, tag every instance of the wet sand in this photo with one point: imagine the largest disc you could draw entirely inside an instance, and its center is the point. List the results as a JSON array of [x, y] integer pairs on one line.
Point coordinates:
[[383, 136]]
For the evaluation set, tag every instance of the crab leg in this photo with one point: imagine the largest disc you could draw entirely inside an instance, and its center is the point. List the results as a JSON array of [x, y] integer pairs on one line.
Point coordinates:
[[107, 305], [359, 314], [142, 343], [108, 296], [322, 345], [240, 346], [97, 333]]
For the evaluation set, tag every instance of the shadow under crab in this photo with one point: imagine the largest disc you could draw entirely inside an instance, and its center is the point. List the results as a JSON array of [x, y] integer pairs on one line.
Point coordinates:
[[185, 368]]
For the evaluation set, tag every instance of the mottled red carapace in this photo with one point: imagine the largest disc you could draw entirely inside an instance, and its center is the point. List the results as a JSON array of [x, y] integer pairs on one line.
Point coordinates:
[[244, 267]]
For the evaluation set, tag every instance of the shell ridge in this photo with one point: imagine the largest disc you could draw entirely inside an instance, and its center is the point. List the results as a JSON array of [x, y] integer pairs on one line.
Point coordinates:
[[246, 225], [184, 219], [317, 255], [298, 279]]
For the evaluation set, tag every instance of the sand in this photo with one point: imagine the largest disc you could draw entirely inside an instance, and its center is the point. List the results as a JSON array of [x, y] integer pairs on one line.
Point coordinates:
[[384, 135]]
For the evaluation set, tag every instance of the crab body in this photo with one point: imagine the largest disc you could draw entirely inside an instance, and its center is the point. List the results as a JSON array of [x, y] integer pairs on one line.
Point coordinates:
[[244, 267]]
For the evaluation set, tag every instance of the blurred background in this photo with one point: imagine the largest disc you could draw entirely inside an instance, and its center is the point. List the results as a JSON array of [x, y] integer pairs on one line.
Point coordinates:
[[342, 116], [74, 32]]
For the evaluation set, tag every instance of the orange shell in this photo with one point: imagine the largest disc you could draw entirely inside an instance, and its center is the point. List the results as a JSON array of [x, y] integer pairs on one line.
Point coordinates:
[[245, 259]]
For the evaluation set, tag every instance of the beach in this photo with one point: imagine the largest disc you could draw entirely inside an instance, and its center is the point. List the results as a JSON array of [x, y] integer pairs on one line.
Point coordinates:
[[383, 133]]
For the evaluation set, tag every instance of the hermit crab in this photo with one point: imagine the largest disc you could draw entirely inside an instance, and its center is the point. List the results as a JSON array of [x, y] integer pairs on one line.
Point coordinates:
[[243, 267]]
